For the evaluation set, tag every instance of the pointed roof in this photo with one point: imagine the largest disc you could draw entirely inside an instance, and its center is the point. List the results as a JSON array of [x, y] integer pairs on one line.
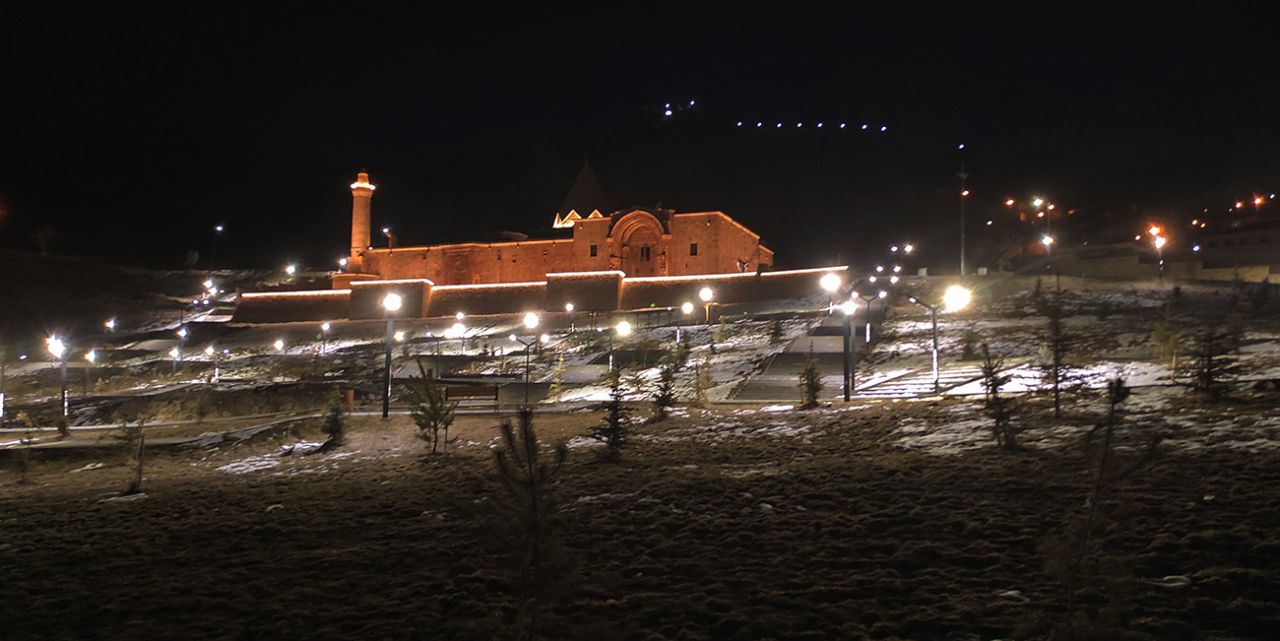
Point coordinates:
[[585, 199]]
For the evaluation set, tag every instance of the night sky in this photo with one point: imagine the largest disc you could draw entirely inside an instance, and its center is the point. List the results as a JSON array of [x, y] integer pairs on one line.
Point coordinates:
[[132, 132]]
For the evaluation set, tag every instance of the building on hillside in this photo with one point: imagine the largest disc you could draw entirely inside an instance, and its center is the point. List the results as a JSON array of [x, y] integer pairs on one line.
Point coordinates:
[[638, 242]]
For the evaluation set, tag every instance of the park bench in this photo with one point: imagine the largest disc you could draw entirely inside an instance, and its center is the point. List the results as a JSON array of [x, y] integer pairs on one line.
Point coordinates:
[[471, 392]]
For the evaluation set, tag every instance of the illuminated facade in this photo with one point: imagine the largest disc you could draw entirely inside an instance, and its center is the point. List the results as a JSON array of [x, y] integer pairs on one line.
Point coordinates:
[[636, 242]]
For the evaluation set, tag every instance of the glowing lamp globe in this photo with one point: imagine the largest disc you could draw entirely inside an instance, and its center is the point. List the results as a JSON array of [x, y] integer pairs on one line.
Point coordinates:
[[279, 345], [91, 356], [956, 298], [848, 307], [392, 302], [324, 327], [829, 282], [705, 294], [399, 336], [1160, 242], [623, 328], [530, 320], [686, 307], [568, 307]]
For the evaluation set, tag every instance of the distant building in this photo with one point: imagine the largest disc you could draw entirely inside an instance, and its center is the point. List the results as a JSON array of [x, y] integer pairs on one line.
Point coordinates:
[[637, 242]]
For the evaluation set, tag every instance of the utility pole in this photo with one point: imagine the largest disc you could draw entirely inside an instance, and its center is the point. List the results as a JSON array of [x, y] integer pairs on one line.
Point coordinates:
[[964, 194]]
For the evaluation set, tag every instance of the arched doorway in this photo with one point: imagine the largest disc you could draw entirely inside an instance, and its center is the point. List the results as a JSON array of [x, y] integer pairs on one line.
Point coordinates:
[[640, 234]]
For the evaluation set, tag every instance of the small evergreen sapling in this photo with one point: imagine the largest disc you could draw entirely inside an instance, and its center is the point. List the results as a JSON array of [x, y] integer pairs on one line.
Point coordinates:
[[999, 407], [528, 521], [334, 424], [810, 383], [702, 382], [133, 437], [1212, 362], [1075, 557], [664, 392], [615, 428], [431, 411]]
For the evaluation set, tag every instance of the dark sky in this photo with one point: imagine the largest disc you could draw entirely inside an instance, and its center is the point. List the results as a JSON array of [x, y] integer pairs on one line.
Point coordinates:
[[132, 131]]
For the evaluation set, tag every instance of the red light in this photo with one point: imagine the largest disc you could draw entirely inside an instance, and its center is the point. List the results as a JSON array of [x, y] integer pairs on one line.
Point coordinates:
[[1239, 204], [1258, 200], [1008, 203], [964, 193]]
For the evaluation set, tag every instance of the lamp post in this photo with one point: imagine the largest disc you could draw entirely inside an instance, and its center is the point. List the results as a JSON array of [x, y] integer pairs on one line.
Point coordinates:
[[867, 314], [829, 283], [58, 350], [213, 257], [176, 352], [706, 295], [1158, 241], [568, 309], [623, 330], [213, 358], [324, 337], [954, 299], [390, 304], [686, 308], [848, 307], [90, 357]]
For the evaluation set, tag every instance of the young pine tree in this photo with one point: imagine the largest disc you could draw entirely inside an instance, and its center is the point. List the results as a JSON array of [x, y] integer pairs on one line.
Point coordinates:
[[664, 392], [702, 382], [615, 428], [1057, 344], [810, 383], [1211, 362], [1076, 558], [134, 439], [334, 423], [527, 521], [431, 411], [999, 407]]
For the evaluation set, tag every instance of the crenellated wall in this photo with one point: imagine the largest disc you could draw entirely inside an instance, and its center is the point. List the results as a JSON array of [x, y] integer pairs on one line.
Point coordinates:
[[601, 291]]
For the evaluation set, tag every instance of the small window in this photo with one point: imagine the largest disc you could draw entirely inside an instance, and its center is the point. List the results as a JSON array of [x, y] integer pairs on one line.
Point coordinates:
[[644, 253], [693, 249], [593, 251]]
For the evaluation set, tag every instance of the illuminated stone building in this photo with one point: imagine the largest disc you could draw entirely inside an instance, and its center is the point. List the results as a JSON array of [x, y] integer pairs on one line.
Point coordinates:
[[637, 242], [633, 259]]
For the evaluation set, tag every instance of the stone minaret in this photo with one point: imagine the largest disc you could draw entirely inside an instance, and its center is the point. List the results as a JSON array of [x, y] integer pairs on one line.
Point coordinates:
[[361, 198]]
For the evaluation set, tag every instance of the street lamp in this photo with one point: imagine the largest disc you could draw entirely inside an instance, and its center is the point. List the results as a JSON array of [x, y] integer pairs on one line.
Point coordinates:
[[868, 299], [213, 257], [324, 337], [706, 295], [686, 308], [829, 283], [90, 357], [110, 325], [623, 330], [58, 350], [954, 299], [1159, 242], [390, 304], [291, 269], [568, 309], [848, 307]]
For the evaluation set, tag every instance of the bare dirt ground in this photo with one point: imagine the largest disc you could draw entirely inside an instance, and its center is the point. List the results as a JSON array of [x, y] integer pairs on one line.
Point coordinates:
[[883, 520]]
